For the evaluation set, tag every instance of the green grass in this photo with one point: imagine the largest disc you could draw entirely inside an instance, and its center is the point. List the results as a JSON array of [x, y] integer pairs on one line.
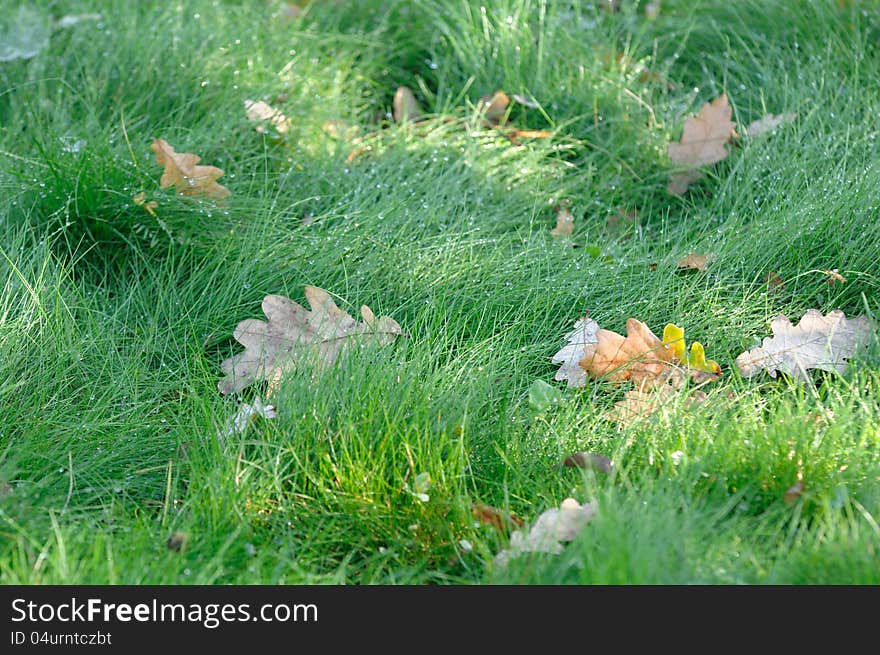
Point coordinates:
[[113, 323]]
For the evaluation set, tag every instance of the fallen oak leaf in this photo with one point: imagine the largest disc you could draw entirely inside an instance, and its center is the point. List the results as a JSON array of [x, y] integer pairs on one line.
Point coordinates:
[[696, 262], [638, 356], [583, 335], [551, 527], [774, 281], [499, 519], [817, 341], [768, 123], [564, 221], [293, 333], [494, 107], [262, 113], [185, 175], [702, 142], [405, 107], [589, 462]]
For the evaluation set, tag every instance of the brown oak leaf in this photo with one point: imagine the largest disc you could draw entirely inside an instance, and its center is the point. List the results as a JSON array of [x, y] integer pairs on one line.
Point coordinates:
[[293, 334], [406, 107], [702, 143], [184, 174]]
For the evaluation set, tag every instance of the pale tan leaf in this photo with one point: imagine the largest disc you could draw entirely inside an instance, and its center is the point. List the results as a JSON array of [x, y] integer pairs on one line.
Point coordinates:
[[262, 112], [584, 334], [550, 529], [821, 342], [494, 107], [184, 174], [406, 107], [639, 356], [695, 261], [589, 462], [293, 334], [564, 222], [702, 142], [768, 123]]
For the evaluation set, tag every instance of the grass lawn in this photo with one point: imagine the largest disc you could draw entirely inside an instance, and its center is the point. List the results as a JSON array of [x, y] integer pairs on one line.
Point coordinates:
[[114, 322]]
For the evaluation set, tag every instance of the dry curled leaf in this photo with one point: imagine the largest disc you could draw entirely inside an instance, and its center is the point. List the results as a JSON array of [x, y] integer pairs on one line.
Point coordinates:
[[406, 107], [821, 342], [794, 492], [695, 261], [583, 335], [768, 123], [702, 143], [294, 333], [639, 356], [564, 221], [494, 107], [774, 282], [551, 527], [589, 462], [184, 174], [263, 113], [834, 276], [498, 518]]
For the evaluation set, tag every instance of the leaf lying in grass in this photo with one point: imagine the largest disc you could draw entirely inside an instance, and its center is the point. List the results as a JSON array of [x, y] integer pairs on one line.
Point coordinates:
[[494, 107], [406, 107], [552, 527], [293, 333], [238, 423], [768, 123], [695, 261], [834, 276], [497, 518], [185, 175], [639, 357], [262, 113], [140, 199], [583, 335], [564, 221], [774, 281], [589, 462], [702, 143], [821, 342], [794, 492], [640, 403]]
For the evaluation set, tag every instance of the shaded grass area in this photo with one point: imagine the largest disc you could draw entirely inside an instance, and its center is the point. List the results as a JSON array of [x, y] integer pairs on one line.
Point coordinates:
[[113, 322]]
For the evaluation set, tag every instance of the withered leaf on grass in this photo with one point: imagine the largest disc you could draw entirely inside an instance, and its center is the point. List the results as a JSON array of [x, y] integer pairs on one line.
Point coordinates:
[[564, 221], [702, 143], [406, 107], [640, 356], [494, 107], [589, 462], [498, 518], [695, 261], [263, 113], [821, 342], [583, 335], [768, 123], [293, 334], [184, 174], [834, 276], [550, 529]]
